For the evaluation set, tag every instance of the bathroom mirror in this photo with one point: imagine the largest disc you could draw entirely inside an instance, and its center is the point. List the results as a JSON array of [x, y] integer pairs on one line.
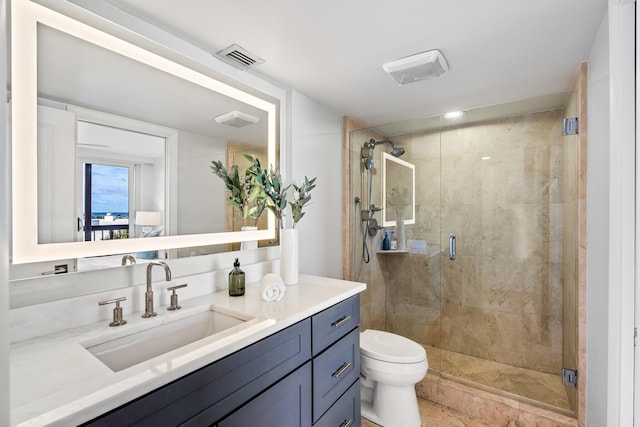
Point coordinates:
[[398, 191], [75, 90]]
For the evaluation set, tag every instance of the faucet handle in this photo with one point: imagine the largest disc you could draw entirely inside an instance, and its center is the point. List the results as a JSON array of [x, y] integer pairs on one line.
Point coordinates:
[[117, 311], [174, 297]]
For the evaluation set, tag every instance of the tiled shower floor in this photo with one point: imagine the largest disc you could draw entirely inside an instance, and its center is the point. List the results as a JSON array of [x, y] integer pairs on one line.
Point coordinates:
[[531, 386]]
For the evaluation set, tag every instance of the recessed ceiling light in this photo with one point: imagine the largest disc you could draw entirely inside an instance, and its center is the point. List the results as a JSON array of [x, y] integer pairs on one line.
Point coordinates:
[[453, 115], [237, 119]]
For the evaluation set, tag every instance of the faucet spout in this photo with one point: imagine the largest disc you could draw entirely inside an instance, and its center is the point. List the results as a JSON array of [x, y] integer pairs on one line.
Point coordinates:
[[130, 258], [148, 295]]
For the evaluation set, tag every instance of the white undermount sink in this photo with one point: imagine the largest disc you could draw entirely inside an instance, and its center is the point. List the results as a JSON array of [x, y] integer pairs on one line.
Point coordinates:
[[139, 346]]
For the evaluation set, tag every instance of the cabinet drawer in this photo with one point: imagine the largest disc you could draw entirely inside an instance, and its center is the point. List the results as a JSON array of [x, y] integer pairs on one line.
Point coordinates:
[[345, 412], [286, 404], [333, 323], [334, 371]]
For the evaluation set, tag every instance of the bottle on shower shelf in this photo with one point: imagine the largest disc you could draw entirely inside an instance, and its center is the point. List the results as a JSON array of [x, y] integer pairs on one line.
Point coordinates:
[[402, 236], [393, 242], [386, 243]]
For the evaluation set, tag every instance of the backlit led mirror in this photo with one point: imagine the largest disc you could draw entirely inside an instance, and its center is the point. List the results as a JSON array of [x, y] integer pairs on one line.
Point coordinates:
[[112, 143], [398, 191]]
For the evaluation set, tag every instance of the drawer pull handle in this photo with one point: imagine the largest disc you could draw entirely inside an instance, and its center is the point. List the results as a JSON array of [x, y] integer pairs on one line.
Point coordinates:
[[341, 321], [341, 370], [346, 423]]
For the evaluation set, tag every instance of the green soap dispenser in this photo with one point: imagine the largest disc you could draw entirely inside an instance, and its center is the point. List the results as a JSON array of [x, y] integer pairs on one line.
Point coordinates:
[[236, 280]]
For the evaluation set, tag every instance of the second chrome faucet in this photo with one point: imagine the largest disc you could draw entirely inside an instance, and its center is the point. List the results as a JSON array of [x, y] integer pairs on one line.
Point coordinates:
[[148, 295]]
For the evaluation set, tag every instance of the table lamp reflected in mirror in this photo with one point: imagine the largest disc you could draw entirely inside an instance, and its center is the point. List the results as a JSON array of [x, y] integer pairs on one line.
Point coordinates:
[[148, 220]]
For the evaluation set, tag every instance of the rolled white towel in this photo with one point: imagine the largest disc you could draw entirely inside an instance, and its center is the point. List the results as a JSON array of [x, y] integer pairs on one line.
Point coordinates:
[[273, 288]]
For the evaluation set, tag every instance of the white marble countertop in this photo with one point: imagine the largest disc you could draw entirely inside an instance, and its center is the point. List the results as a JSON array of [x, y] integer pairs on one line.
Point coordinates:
[[56, 381]]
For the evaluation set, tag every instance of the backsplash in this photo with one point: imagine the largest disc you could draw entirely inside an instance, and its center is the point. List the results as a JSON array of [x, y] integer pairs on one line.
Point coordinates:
[[42, 318]]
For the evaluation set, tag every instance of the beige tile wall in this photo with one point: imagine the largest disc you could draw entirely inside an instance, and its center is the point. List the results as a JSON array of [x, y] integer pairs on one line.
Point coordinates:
[[501, 299], [372, 309]]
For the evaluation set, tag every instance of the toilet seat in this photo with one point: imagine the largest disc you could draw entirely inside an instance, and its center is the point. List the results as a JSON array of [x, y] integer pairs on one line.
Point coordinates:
[[388, 347]]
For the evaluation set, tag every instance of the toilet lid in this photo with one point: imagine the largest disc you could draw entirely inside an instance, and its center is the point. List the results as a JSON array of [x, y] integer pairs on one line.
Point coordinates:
[[389, 347]]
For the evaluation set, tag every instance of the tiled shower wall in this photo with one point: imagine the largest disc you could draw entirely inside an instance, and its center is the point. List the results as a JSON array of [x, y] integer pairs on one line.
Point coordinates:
[[372, 308], [498, 187]]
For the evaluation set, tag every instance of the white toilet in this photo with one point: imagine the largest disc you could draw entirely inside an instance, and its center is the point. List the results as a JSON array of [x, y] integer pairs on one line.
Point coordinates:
[[390, 367]]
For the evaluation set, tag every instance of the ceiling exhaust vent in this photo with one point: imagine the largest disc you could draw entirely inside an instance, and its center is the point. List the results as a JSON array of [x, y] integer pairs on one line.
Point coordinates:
[[237, 119], [425, 65], [239, 57]]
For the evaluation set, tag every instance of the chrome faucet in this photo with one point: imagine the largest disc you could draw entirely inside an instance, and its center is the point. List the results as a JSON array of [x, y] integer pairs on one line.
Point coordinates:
[[148, 295], [129, 258]]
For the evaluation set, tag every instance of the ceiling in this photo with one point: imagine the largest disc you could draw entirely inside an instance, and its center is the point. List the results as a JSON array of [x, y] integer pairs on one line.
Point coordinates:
[[498, 50], [76, 72]]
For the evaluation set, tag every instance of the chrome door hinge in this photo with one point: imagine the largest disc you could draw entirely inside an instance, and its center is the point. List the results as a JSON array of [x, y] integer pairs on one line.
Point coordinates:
[[570, 377], [570, 126]]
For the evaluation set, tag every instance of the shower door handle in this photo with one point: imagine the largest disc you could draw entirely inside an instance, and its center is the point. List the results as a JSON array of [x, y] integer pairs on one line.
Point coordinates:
[[452, 247]]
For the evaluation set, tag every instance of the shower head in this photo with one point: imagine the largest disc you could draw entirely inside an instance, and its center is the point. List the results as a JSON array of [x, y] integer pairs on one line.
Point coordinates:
[[366, 152], [395, 150]]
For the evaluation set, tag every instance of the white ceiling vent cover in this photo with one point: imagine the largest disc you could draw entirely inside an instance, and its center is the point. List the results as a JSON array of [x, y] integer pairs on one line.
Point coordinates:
[[421, 66], [239, 57], [237, 119]]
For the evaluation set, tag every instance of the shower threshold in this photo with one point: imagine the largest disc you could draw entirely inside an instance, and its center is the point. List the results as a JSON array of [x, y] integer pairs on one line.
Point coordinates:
[[536, 388]]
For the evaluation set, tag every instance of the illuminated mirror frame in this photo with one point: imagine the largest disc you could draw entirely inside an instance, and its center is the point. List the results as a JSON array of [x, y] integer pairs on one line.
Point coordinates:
[[386, 157], [25, 17]]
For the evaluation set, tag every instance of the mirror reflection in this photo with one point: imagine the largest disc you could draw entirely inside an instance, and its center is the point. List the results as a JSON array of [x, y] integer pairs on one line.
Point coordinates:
[[124, 152], [398, 191]]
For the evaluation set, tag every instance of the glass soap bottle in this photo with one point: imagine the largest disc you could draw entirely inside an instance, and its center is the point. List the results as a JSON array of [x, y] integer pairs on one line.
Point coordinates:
[[236, 280]]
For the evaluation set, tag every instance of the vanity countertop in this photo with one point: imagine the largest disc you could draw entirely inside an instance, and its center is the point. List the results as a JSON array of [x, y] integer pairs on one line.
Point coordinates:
[[56, 381]]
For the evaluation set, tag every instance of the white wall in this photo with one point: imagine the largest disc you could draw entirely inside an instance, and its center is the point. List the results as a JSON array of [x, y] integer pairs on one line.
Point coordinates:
[[201, 195], [5, 171], [315, 151], [621, 213], [597, 227]]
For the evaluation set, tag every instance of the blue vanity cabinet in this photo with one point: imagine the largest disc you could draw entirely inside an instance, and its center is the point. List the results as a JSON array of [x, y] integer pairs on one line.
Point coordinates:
[[345, 412], [207, 395], [336, 364], [304, 375], [286, 404], [331, 324]]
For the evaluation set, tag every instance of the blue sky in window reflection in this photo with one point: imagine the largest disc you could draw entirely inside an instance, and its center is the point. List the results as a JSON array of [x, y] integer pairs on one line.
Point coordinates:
[[109, 190]]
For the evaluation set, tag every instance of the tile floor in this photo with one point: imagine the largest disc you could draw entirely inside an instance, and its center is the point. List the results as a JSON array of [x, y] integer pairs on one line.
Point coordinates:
[[531, 385], [434, 415]]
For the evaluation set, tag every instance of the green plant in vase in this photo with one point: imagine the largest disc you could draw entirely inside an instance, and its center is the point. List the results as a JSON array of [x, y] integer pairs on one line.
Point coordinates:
[[243, 192], [302, 197], [276, 192], [272, 186]]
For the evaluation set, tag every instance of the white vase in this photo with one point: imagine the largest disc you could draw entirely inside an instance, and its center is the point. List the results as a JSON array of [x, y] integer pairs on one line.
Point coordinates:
[[289, 256], [250, 244], [401, 235]]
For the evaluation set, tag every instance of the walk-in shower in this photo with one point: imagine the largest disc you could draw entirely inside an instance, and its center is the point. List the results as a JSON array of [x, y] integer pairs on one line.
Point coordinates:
[[368, 223], [502, 313]]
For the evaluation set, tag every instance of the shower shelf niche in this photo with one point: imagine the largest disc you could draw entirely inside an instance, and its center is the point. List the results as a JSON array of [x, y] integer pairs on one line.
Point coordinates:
[[393, 251]]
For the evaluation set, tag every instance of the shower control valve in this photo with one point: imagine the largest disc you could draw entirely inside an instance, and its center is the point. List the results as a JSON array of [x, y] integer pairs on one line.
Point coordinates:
[[373, 227]]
